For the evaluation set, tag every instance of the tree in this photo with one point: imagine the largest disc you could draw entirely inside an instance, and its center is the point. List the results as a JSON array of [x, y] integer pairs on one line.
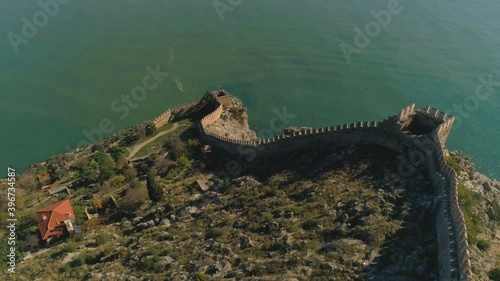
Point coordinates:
[[193, 146], [122, 163], [117, 181], [89, 170], [150, 128], [134, 197], [155, 191], [106, 165], [97, 147], [161, 164], [56, 168], [30, 242], [183, 161], [117, 152], [130, 173], [175, 147], [98, 204]]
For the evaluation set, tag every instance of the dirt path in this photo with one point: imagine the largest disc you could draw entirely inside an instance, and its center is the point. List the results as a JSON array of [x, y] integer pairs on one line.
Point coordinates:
[[138, 147]]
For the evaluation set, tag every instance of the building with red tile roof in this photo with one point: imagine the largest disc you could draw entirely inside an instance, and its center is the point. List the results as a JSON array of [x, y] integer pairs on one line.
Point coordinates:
[[56, 220]]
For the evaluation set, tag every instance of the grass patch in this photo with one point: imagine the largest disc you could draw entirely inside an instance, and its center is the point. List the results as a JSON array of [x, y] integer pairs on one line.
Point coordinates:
[[452, 161], [157, 144], [469, 201], [153, 146]]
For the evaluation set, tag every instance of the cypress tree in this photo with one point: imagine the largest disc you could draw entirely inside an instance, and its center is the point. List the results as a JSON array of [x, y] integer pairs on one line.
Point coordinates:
[[155, 191]]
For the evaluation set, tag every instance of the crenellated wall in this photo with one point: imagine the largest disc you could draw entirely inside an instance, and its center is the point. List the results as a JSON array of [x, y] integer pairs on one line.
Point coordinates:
[[451, 231], [212, 117], [454, 259], [452, 225], [166, 116]]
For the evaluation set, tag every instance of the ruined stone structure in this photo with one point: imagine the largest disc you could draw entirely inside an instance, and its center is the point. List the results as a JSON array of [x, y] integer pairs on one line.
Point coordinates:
[[419, 134]]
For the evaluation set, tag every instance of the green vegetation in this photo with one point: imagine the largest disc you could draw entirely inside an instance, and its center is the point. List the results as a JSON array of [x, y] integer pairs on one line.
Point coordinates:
[[155, 191], [312, 219], [118, 152], [452, 161], [56, 167], [469, 202], [150, 128], [133, 199], [494, 211], [175, 147], [495, 274], [483, 245], [153, 146], [106, 165], [102, 238]]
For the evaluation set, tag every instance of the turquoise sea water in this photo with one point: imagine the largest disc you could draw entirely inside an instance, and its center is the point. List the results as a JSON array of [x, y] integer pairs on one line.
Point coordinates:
[[272, 54]]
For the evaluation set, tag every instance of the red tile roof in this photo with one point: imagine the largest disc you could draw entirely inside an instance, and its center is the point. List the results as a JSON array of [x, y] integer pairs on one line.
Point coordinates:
[[51, 218]]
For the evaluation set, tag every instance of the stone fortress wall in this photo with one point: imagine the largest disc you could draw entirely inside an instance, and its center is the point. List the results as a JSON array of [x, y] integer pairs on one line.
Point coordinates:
[[167, 116], [395, 133]]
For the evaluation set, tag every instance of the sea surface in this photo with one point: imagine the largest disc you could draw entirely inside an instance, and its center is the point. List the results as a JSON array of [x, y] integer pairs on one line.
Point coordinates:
[[273, 54]]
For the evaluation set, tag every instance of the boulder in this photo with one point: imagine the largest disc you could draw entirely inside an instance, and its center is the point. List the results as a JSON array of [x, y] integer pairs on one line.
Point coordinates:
[[165, 222]]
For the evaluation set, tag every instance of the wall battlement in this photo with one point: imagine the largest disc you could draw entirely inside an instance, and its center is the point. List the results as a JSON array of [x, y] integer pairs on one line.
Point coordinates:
[[392, 133], [166, 116]]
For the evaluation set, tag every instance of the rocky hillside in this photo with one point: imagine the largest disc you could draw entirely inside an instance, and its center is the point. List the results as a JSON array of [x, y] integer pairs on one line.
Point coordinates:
[[234, 122], [171, 212], [480, 201]]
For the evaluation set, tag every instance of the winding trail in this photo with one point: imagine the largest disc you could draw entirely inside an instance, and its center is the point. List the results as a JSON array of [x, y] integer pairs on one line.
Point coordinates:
[[138, 147]]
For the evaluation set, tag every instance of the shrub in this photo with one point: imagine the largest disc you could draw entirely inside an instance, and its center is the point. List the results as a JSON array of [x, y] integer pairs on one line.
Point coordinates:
[[152, 264], [175, 147], [97, 204], [214, 233], [117, 181], [103, 238], [30, 242], [65, 249], [310, 224], [469, 201], [495, 274], [183, 161], [89, 170], [473, 227], [193, 146], [133, 199], [495, 211], [130, 173], [79, 213], [450, 160], [106, 165], [56, 167], [484, 245], [149, 129], [93, 223], [117, 152], [200, 276]]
